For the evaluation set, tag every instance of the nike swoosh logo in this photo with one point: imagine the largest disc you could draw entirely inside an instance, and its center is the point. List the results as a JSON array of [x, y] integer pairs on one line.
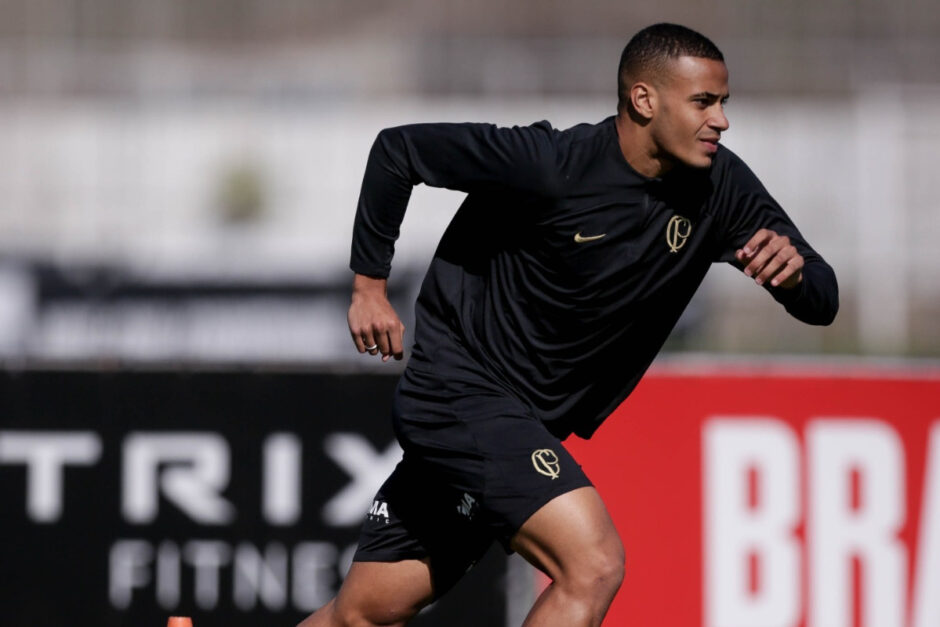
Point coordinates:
[[587, 238]]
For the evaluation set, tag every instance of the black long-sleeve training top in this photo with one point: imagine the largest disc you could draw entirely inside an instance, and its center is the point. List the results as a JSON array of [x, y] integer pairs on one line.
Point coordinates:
[[564, 270]]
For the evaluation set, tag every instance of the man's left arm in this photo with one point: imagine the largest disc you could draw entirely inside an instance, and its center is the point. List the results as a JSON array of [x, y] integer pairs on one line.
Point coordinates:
[[807, 289], [762, 241]]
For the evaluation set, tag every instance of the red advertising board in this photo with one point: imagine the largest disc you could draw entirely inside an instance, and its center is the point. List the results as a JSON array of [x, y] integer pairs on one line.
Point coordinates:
[[775, 500]]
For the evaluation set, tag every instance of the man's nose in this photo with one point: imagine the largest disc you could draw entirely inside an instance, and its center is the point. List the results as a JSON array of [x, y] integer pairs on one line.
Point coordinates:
[[719, 121]]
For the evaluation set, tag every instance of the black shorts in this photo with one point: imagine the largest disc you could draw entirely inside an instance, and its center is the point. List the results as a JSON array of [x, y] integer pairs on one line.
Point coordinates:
[[476, 466]]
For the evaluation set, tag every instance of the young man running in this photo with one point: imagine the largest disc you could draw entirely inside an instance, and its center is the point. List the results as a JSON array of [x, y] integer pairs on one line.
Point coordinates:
[[550, 294]]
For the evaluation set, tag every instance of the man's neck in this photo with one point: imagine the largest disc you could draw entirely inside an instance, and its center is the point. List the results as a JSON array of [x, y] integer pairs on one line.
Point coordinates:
[[638, 148]]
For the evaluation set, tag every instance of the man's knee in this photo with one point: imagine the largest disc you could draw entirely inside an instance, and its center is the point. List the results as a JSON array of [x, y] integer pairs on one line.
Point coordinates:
[[385, 617], [599, 573], [613, 567], [377, 593], [348, 615], [573, 540]]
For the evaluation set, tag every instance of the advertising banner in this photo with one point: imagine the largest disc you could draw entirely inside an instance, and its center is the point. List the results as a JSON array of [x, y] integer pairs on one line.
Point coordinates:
[[775, 499], [753, 499], [232, 497]]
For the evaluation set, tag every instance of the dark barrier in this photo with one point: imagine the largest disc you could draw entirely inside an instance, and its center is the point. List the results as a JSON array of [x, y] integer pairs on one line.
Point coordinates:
[[233, 497]]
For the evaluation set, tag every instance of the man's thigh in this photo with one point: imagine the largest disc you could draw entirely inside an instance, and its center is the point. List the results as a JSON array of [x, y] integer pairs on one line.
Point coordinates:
[[476, 467], [573, 533], [385, 592], [416, 516], [377, 593], [526, 467], [500, 462]]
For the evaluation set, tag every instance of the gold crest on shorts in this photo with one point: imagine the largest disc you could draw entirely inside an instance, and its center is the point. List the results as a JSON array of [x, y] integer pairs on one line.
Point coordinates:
[[546, 462]]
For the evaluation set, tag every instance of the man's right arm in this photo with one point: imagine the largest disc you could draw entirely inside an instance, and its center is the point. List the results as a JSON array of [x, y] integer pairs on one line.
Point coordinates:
[[464, 157], [373, 323]]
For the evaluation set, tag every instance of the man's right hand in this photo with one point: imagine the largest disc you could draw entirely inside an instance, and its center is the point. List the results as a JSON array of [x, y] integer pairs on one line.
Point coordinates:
[[373, 323]]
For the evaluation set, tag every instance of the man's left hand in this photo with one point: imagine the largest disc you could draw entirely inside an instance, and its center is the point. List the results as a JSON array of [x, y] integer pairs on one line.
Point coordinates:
[[770, 257]]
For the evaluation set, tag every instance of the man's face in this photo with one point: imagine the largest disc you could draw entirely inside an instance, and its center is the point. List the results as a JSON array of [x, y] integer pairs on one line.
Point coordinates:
[[689, 111]]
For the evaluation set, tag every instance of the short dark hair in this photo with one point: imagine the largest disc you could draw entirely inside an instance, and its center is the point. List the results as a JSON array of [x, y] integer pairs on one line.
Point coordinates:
[[650, 49]]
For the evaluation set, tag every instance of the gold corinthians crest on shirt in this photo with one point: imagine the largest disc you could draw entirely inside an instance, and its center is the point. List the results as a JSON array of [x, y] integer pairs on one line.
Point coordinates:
[[546, 462], [677, 232]]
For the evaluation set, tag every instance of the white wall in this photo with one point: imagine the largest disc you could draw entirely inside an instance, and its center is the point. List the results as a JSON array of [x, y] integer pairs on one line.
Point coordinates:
[[138, 186]]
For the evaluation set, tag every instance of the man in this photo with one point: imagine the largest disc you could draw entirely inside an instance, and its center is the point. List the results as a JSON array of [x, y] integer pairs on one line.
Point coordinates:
[[551, 292]]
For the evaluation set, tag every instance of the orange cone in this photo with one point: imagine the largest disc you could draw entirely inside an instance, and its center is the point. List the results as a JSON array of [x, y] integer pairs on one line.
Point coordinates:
[[179, 621]]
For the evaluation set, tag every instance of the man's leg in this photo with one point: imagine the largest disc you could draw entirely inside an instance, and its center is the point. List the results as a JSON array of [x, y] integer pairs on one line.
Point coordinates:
[[573, 540], [377, 593], [415, 544]]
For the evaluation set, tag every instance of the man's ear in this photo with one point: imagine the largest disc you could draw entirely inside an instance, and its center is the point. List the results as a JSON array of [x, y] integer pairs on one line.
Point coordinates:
[[643, 99]]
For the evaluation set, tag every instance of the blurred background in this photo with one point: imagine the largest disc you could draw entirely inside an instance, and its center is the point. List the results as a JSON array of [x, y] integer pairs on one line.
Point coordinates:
[[179, 178]]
